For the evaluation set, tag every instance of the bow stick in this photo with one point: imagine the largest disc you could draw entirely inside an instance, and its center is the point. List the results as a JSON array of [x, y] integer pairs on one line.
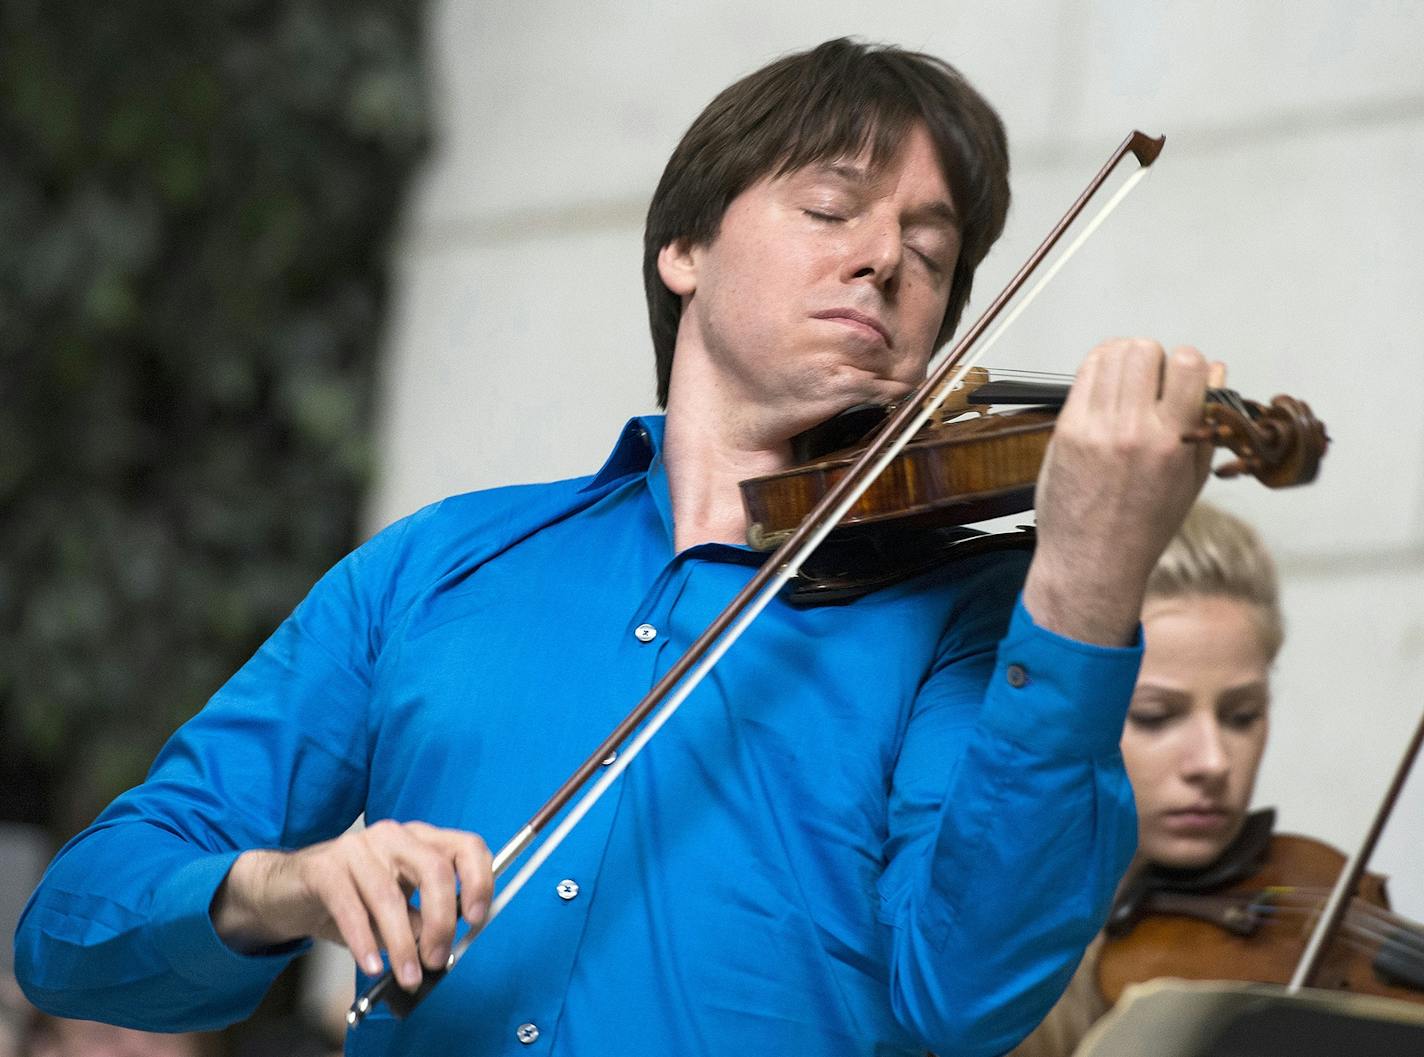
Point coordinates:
[[1334, 913], [783, 565]]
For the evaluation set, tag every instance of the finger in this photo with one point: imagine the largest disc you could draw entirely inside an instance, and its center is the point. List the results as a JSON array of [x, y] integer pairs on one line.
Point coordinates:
[[1085, 394], [1205, 453], [1216, 375], [348, 912], [423, 859], [378, 884], [472, 859], [1140, 379], [1184, 385], [473, 865]]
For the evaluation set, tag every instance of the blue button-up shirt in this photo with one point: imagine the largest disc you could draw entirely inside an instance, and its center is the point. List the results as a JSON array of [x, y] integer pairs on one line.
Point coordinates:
[[877, 827]]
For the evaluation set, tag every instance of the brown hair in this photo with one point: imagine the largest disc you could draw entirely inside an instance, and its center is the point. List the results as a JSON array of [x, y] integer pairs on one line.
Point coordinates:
[[1215, 553], [840, 99]]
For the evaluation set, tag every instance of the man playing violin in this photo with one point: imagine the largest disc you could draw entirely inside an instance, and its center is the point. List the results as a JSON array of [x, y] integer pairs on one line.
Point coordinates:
[[879, 827]]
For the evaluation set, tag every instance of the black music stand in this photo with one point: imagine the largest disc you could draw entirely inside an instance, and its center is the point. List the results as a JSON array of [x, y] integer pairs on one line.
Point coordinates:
[[1177, 1018]]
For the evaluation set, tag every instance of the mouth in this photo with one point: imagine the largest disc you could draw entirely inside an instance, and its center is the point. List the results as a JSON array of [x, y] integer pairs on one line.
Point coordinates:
[[1199, 818], [862, 322]]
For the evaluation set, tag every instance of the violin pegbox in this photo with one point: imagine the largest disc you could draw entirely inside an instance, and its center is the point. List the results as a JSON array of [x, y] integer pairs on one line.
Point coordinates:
[[1280, 444]]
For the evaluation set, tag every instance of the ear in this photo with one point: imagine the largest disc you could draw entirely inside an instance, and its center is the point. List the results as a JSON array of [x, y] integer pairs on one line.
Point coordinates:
[[677, 267]]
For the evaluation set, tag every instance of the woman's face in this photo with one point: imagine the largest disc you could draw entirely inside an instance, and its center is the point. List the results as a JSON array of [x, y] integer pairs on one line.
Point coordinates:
[[1197, 726]]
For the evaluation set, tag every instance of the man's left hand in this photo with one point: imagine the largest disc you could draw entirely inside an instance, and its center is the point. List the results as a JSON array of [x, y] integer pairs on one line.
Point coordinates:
[[1115, 485]]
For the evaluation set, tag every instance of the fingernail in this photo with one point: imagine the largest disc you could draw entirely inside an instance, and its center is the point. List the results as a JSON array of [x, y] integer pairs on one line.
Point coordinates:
[[409, 975], [440, 956], [373, 965]]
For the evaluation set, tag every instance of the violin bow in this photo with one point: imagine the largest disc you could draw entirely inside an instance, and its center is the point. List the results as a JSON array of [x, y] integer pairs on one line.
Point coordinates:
[[1333, 915], [659, 704]]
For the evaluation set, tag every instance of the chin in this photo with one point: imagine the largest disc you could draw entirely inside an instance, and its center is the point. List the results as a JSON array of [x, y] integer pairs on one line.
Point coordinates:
[[849, 386], [1179, 854]]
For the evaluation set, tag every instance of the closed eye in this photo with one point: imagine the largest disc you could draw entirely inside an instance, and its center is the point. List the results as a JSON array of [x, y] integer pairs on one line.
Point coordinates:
[[1150, 721], [829, 218], [929, 262], [1244, 720]]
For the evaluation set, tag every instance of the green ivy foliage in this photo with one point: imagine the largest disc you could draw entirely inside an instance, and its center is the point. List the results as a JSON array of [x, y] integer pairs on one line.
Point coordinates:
[[197, 204]]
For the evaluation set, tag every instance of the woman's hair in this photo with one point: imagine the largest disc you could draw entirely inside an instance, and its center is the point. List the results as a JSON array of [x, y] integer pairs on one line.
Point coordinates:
[[1217, 554]]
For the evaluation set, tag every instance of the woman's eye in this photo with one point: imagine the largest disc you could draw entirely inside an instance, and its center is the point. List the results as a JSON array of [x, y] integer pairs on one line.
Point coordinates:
[[1243, 720], [1148, 721], [817, 214]]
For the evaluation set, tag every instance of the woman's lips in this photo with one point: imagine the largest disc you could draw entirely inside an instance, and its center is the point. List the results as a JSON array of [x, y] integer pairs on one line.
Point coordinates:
[[1196, 820]]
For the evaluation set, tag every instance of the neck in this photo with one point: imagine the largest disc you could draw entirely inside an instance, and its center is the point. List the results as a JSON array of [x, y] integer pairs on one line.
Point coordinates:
[[705, 462], [713, 440]]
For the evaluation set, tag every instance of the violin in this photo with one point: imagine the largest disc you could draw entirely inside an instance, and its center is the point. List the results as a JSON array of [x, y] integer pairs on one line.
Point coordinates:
[[1248, 917], [963, 466]]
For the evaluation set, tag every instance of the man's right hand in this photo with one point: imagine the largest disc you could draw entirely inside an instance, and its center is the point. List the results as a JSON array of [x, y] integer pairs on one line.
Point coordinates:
[[355, 890]]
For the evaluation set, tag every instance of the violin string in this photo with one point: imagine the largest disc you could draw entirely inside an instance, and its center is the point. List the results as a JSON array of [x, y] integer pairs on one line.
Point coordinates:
[[1353, 924], [1358, 907], [1021, 372], [1228, 397], [1352, 935], [1363, 920], [1306, 900], [1270, 910]]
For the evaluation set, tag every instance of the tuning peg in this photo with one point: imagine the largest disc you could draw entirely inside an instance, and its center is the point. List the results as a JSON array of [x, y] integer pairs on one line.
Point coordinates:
[[1236, 467]]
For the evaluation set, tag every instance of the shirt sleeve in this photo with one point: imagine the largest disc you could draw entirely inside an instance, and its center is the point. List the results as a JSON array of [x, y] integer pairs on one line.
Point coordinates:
[[1011, 822], [119, 928]]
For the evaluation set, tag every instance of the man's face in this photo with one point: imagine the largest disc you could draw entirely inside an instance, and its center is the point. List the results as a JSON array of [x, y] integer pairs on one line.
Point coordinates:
[[823, 288]]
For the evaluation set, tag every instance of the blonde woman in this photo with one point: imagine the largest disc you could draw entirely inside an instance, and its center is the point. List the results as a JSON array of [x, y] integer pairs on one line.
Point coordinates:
[[1196, 728]]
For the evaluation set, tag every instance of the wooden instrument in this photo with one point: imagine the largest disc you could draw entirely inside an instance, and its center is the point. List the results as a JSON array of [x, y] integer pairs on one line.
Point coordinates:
[[958, 469], [1255, 928]]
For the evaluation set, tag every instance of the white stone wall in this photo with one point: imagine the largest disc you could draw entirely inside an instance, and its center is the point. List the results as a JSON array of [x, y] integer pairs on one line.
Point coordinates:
[[1280, 232]]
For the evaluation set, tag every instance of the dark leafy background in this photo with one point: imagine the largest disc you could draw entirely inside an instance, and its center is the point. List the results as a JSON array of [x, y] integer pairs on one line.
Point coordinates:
[[197, 201]]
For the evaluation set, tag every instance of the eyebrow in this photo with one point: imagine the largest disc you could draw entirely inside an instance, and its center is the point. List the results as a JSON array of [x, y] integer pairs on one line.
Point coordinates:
[[1160, 694], [1246, 693], [940, 211], [1250, 692]]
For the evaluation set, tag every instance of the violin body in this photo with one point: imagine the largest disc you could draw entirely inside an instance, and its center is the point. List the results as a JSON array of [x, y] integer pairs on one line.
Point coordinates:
[[1256, 929], [948, 475]]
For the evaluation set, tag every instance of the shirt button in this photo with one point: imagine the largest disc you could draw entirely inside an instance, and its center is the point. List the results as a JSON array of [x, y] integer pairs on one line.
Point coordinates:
[[527, 1033], [567, 889], [610, 757], [645, 633], [1016, 674]]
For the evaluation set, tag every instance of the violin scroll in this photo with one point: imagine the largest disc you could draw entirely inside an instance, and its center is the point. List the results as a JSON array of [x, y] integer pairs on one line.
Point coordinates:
[[1280, 445]]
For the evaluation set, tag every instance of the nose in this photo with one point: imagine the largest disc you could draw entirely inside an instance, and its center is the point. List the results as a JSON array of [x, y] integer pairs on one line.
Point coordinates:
[[1204, 757], [875, 254]]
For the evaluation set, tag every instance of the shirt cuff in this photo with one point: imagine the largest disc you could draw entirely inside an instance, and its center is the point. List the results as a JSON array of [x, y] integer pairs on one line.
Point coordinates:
[[191, 944], [1057, 696]]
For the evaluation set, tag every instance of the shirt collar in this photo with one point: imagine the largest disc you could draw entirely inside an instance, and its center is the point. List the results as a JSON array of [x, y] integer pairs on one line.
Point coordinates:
[[639, 443], [638, 453]]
